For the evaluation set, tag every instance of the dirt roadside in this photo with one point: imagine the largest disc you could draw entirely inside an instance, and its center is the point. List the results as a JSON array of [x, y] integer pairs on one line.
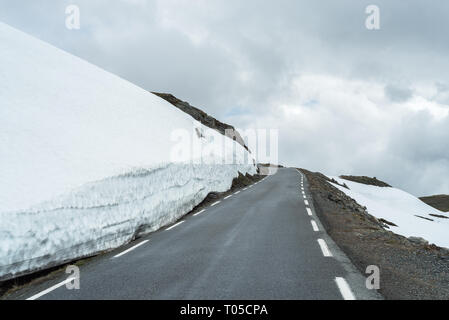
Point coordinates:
[[409, 270]]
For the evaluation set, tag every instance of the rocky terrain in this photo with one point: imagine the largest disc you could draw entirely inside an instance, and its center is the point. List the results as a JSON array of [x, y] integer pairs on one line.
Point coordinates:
[[366, 180], [410, 267], [204, 118], [440, 202]]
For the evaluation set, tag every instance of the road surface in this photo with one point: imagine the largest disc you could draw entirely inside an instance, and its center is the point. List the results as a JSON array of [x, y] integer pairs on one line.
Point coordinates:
[[264, 242]]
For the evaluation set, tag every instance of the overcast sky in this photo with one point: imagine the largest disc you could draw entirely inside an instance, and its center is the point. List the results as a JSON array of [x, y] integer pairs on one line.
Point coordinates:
[[347, 100]]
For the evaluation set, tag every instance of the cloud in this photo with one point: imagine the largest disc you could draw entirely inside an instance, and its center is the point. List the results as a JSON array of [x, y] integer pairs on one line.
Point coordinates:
[[354, 127], [398, 94], [346, 100]]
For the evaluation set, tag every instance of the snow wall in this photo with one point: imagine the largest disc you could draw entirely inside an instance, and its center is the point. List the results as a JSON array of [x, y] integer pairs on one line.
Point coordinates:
[[89, 160]]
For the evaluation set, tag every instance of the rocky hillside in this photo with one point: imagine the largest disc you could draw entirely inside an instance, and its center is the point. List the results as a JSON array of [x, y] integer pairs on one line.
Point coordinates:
[[410, 268], [366, 180], [440, 202], [204, 118]]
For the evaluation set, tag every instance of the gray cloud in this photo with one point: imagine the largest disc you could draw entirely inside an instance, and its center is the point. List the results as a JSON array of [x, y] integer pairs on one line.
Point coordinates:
[[398, 94], [376, 105]]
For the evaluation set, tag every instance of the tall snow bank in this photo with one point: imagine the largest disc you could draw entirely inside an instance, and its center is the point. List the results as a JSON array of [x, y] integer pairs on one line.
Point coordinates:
[[87, 161], [401, 208]]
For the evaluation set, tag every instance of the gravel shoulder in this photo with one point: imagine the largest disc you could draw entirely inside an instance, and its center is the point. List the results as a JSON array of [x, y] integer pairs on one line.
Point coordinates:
[[409, 270]]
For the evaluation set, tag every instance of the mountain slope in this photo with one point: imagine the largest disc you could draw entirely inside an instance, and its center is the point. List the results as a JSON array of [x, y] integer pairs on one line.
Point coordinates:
[[204, 118], [440, 202], [89, 160], [407, 215]]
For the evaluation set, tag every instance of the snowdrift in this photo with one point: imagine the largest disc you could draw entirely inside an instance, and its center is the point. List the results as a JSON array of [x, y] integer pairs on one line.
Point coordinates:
[[409, 213], [87, 161]]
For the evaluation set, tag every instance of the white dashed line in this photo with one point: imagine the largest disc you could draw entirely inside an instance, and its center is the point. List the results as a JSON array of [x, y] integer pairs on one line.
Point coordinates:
[[130, 249], [306, 202], [237, 192], [314, 226], [324, 248], [215, 203], [344, 288], [56, 286], [304, 196], [309, 211], [228, 197], [175, 225], [199, 212]]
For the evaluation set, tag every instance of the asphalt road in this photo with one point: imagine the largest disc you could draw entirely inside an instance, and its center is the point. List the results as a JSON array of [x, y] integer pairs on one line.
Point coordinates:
[[261, 243]]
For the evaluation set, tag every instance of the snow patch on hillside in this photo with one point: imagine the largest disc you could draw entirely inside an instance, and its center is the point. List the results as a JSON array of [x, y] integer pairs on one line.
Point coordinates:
[[86, 158], [402, 209]]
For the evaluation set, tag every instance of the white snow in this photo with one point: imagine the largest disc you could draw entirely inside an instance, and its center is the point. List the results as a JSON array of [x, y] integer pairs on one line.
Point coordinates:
[[402, 209], [86, 158]]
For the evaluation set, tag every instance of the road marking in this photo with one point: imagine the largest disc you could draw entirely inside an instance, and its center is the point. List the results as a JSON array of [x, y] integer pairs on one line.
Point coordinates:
[[237, 192], [130, 249], [304, 196], [228, 197], [245, 189], [56, 286], [309, 211], [175, 225], [324, 248], [344, 288], [306, 202], [314, 226], [215, 203], [199, 212]]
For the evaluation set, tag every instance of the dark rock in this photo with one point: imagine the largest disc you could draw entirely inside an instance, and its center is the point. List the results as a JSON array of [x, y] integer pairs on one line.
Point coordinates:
[[418, 240], [366, 180], [204, 118]]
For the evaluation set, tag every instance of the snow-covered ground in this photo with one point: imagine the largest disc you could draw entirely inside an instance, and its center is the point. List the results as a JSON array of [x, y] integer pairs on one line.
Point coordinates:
[[402, 209], [87, 158]]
